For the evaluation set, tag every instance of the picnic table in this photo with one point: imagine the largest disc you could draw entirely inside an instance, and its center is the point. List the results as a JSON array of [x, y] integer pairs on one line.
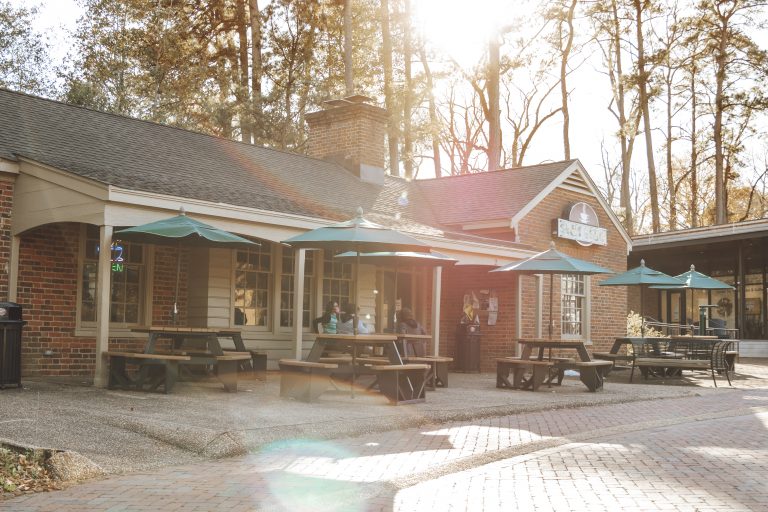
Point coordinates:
[[591, 372], [190, 347], [398, 381]]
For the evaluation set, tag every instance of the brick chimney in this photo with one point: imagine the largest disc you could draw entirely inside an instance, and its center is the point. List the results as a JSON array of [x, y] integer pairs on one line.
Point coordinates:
[[350, 132]]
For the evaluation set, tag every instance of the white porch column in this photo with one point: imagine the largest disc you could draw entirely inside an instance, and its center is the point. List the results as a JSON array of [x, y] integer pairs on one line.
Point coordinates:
[[298, 299], [13, 269], [103, 281], [437, 285]]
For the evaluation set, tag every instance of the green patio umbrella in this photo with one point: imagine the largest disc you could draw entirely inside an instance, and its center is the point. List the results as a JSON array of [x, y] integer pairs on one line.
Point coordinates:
[[358, 235], [552, 262], [398, 258], [641, 276], [693, 280], [178, 231]]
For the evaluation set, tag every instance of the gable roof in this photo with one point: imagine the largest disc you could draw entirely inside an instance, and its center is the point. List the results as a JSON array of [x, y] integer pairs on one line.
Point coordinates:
[[508, 195], [143, 156], [481, 196]]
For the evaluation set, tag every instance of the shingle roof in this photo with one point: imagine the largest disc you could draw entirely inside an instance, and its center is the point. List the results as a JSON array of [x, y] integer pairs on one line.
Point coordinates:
[[145, 156], [141, 155], [488, 195]]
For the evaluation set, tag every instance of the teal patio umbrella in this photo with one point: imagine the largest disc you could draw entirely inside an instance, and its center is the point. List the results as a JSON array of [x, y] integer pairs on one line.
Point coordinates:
[[358, 235], [178, 231], [693, 280], [398, 258], [643, 277], [553, 262]]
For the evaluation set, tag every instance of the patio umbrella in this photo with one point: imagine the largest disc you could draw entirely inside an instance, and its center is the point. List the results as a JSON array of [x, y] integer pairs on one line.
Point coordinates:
[[397, 258], [553, 262], [641, 276], [358, 235], [693, 280], [178, 231]]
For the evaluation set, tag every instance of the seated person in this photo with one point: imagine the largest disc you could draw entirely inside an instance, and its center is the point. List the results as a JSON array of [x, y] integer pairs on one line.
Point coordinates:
[[347, 321], [331, 318], [407, 324]]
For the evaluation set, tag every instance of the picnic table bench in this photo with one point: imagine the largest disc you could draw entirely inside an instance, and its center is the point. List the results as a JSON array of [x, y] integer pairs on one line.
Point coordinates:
[[155, 370]]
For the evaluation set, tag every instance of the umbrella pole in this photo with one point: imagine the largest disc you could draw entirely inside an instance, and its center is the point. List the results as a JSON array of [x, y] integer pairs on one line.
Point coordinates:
[[551, 292], [175, 312], [394, 306], [357, 289], [642, 317]]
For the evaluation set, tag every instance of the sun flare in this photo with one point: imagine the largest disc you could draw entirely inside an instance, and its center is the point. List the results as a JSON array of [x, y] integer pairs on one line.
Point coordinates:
[[460, 28]]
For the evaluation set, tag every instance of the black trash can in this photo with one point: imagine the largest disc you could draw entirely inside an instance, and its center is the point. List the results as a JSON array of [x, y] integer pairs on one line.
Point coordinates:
[[10, 344], [468, 348]]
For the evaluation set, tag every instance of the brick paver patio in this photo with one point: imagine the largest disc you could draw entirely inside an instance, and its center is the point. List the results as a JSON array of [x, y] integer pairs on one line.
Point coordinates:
[[699, 453]]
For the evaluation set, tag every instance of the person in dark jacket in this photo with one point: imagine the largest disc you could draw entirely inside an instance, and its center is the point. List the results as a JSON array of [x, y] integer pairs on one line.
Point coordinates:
[[407, 324]]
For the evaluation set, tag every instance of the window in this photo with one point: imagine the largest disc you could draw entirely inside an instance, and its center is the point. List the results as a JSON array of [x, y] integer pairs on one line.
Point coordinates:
[[127, 280], [573, 302], [286, 287], [337, 280], [253, 272]]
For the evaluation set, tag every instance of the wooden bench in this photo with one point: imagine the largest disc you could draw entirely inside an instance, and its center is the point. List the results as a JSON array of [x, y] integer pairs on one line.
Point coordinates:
[[402, 383], [626, 359], [438, 373], [539, 372], [304, 380], [155, 370], [256, 363], [591, 373]]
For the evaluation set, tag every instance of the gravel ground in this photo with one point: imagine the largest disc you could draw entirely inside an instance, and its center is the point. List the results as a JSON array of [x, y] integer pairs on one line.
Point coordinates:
[[124, 431]]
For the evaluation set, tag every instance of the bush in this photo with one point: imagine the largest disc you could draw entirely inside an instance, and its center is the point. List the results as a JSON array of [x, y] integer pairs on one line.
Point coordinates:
[[634, 324]]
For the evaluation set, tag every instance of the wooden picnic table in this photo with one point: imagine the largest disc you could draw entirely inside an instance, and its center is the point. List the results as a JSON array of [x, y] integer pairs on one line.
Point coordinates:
[[202, 347], [591, 372]]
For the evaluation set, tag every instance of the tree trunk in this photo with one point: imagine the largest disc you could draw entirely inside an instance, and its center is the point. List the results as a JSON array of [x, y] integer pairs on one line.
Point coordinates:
[[720, 64], [434, 128], [389, 96], [243, 94], [256, 71], [407, 93], [626, 155], [563, 85], [670, 171], [642, 84], [494, 121], [694, 154], [349, 82]]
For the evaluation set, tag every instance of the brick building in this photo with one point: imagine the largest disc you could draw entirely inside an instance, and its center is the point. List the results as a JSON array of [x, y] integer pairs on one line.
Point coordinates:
[[71, 177]]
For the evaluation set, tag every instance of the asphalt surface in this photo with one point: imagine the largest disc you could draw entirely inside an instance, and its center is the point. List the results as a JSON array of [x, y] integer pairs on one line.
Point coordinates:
[[470, 447]]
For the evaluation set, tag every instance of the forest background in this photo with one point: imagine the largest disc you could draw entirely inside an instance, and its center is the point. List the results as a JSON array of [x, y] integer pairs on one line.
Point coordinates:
[[663, 100]]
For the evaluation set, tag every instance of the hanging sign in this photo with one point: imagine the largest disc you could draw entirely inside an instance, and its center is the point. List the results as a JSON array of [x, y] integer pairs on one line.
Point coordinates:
[[582, 226]]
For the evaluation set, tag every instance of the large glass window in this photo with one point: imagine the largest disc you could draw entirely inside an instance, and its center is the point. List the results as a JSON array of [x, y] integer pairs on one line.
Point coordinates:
[[287, 284], [127, 280], [337, 280], [253, 273], [573, 300]]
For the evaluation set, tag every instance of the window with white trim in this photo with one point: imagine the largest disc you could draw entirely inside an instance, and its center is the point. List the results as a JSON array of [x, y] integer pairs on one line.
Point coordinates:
[[337, 280], [287, 284], [253, 279], [127, 283], [573, 301]]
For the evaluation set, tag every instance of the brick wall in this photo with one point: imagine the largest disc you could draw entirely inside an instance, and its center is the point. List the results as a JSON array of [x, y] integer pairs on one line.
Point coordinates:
[[6, 207], [47, 291], [608, 304], [48, 280]]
